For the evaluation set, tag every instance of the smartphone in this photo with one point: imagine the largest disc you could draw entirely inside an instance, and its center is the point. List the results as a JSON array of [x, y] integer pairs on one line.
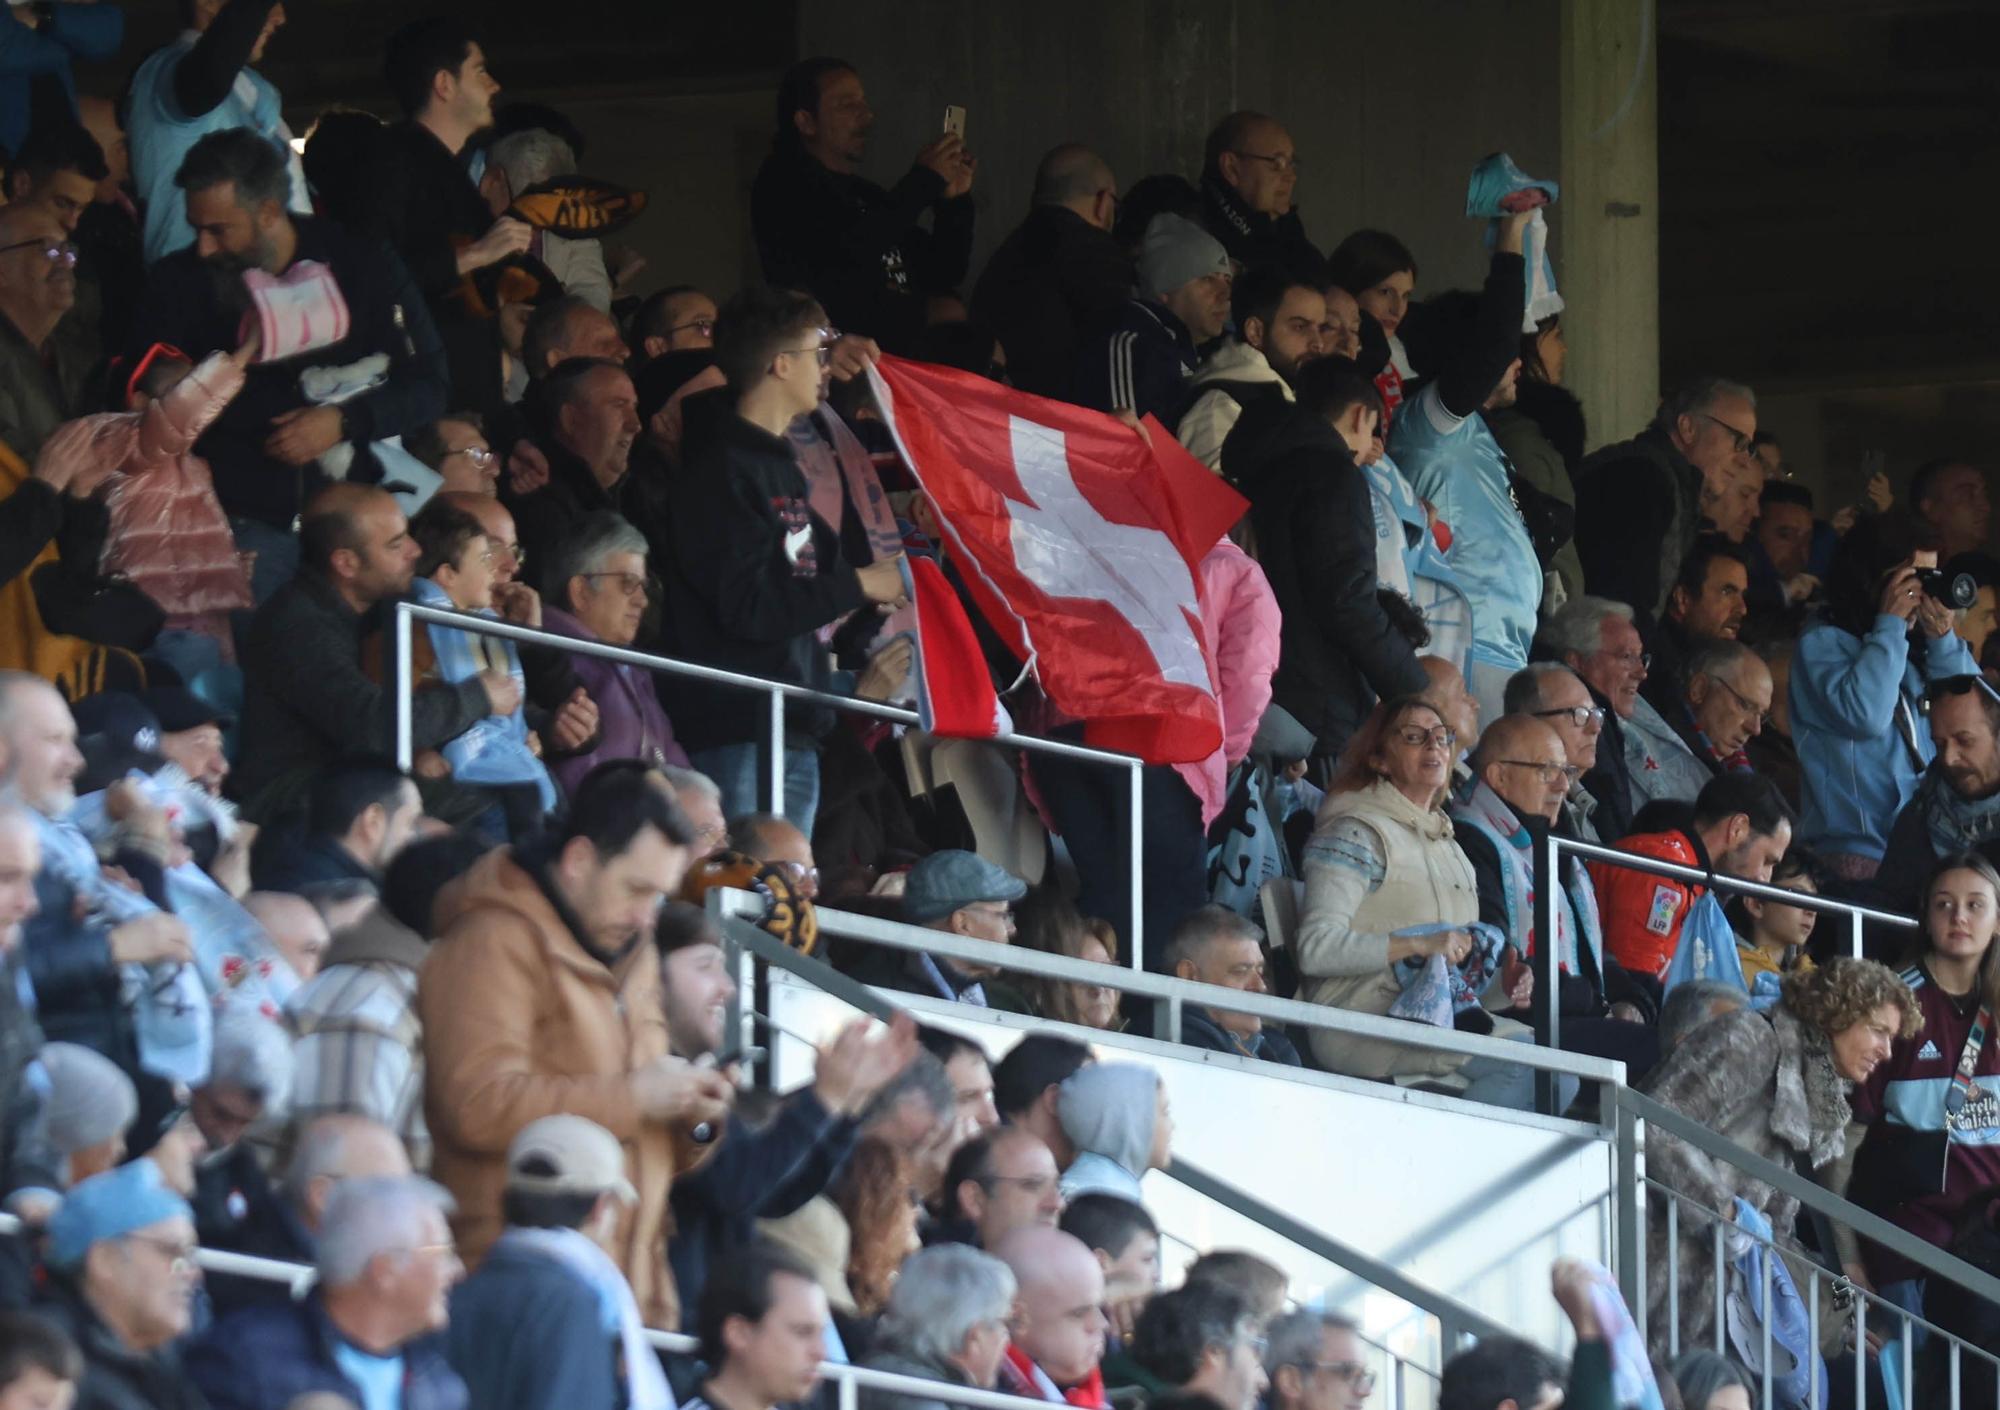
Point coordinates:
[[954, 122], [1924, 558]]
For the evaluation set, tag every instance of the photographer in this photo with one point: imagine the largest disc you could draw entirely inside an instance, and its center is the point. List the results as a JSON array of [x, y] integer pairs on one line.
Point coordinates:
[[1857, 684]]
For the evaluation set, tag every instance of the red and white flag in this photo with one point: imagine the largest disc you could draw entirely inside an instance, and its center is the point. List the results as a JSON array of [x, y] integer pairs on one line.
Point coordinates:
[[1079, 543]]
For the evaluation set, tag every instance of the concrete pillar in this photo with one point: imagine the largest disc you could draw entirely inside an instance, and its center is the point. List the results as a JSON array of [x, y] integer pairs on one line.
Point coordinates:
[[1608, 244]]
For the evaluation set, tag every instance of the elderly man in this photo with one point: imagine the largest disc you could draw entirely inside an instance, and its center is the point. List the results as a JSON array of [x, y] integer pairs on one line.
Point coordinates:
[[296, 928], [120, 1256], [1557, 696], [515, 164], [1524, 779], [307, 699], [85, 928], [1059, 274], [1956, 807], [1215, 945], [456, 447], [543, 996], [768, 838], [565, 328], [1599, 641], [960, 894], [593, 419], [1709, 600], [1728, 698], [998, 1182], [1203, 1339], [249, 1080], [42, 370], [386, 1266], [1058, 1339], [946, 1321], [679, 318], [1314, 1362], [1249, 173], [529, 1329], [1639, 503]]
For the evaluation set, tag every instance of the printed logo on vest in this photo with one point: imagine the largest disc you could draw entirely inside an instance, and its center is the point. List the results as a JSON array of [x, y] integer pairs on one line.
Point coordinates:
[[1929, 1052]]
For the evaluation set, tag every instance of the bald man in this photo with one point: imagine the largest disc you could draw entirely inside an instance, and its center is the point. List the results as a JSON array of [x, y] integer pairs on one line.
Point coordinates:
[[1523, 777], [1059, 274], [1249, 175], [1009, 1182], [1061, 1328], [307, 700], [42, 376], [297, 930], [26, 1158], [769, 838]]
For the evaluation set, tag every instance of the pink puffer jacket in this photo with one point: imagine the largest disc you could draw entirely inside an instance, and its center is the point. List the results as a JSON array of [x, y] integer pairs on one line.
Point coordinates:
[[1240, 622], [168, 532]]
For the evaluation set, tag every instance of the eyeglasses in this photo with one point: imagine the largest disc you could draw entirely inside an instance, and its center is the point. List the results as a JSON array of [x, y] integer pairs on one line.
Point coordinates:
[[1628, 659], [1037, 1185], [1280, 162], [1955, 685], [824, 349], [1443, 736], [631, 584], [517, 553], [1353, 1372], [1737, 438], [478, 455], [55, 251], [704, 326], [1548, 773], [798, 872], [994, 910], [1763, 715], [180, 1255], [1582, 716]]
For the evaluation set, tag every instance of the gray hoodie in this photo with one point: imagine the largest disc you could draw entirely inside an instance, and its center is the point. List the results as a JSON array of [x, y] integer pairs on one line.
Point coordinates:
[[1108, 1111]]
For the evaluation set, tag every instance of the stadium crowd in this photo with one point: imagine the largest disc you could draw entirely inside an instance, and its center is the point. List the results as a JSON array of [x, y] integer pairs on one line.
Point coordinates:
[[267, 992]]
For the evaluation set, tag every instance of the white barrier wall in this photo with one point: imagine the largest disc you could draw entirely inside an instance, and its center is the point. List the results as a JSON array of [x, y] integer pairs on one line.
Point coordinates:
[[1471, 1202]]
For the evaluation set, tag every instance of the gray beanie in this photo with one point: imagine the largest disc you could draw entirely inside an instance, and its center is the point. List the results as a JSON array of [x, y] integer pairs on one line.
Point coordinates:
[[1175, 251], [90, 1097]]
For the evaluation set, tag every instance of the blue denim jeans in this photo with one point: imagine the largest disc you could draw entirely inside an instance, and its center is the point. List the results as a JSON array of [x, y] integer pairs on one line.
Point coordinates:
[[739, 772]]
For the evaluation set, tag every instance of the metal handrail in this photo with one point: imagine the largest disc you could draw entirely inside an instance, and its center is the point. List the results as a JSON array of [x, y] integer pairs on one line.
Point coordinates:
[[1177, 993], [779, 692], [733, 912]]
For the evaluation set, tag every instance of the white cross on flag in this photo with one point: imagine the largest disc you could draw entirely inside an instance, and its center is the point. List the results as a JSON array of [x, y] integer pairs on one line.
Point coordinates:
[[1079, 543]]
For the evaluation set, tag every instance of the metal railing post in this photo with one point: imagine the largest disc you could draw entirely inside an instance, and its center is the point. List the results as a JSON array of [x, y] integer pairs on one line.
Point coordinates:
[[1137, 940], [405, 687], [1855, 935], [777, 755], [1548, 1024], [1629, 1237]]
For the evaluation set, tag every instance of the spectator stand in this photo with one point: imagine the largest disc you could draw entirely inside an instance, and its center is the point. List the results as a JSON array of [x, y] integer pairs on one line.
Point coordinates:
[[1628, 1114], [775, 693]]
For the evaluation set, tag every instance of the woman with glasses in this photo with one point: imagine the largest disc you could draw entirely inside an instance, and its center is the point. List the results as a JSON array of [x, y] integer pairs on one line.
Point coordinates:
[[1857, 689], [1387, 889]]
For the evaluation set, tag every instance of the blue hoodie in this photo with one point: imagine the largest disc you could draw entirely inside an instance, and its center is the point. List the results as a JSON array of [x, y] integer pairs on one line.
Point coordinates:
[[1862, 743]]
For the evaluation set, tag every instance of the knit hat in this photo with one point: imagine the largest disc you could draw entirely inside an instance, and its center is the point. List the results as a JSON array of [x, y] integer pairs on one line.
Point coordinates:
[[90, 1099], [1109, 1109], [110, 1206], [573, 1156], [950, 880], [1175, 251]]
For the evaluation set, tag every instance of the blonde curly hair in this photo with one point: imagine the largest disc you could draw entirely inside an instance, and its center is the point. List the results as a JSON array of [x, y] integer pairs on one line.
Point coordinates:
[[1841, 993]]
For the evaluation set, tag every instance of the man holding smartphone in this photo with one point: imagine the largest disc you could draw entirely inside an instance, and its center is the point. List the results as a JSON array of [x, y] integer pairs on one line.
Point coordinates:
[[859, 249]]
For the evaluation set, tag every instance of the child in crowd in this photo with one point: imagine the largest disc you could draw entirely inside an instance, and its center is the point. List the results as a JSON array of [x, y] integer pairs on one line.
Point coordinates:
[[168, 532], [39, 1364], [456, 571], [1770, 937]]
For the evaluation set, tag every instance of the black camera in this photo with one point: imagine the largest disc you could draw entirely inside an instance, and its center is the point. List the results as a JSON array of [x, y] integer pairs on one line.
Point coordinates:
[[1955, 590]]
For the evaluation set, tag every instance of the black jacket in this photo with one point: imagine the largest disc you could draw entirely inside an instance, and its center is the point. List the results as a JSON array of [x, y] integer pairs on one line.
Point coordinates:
[[1315, 528], [1638, 508], [1053, 280], [307, 701], [236, 1208], [546, 517], [1908, 856], [190, 306], [114, 1376], [26, 1157], [765, 1173], [419, 200], [290, 860], [857, 248], [1140, 359], [755, 575], [1200, 1030], [1258, 241], [1608, 781], [266, 1357]]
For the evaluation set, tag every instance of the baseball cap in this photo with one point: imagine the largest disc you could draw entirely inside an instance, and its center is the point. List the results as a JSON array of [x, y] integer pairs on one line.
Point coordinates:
[[946, 881], [110, 1206], [178, 708], [116, 734], [571, 1156]]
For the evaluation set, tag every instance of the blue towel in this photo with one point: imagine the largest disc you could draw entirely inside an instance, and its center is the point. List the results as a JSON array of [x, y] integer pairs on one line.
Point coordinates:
[[495, 749], [1494, 179]]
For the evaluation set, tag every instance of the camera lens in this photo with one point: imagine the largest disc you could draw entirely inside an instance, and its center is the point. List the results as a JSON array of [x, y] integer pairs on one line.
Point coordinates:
[[1961, 592]]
